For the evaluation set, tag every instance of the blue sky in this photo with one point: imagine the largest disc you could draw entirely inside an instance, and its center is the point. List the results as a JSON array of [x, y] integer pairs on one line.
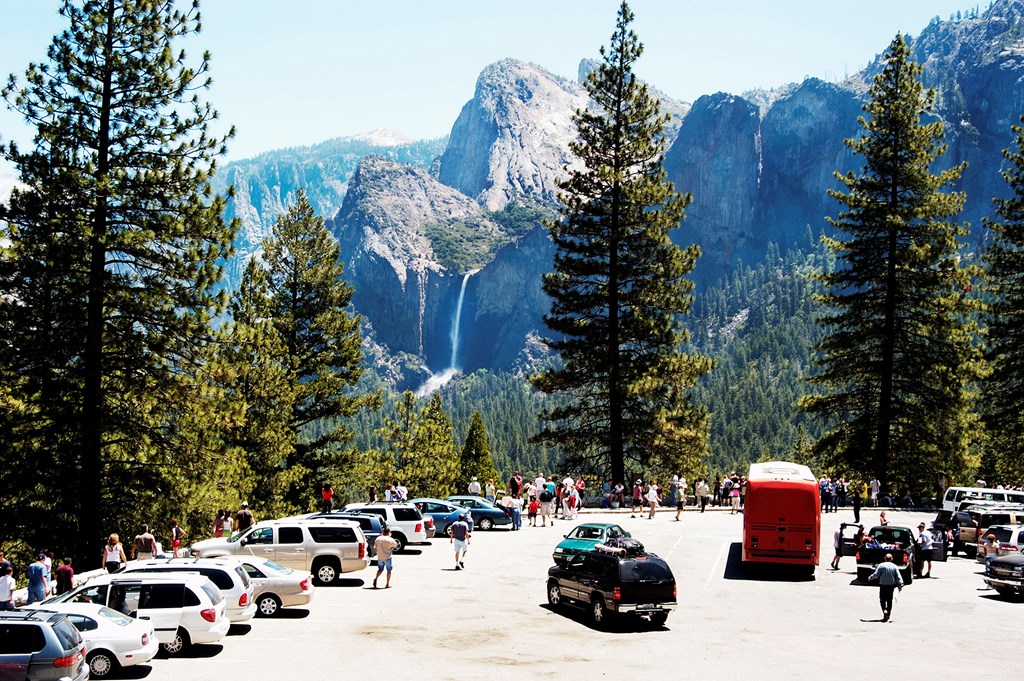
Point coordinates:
[[329, 68]]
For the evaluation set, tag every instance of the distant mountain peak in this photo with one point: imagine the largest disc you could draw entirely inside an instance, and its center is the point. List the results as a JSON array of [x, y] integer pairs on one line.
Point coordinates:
[[382, 137]]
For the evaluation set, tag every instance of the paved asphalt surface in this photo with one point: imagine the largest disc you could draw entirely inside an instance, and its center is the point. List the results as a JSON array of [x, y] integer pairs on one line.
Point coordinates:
[[492, 620]]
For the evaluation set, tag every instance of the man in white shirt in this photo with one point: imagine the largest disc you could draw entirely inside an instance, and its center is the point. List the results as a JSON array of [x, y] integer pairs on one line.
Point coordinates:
[[925, 543], [874, 487], [7, 586], [539, 484], [652, 499], [474, 487]]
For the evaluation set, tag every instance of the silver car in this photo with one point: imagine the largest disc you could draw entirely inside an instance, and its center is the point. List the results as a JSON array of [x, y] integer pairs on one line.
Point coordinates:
[[276, 586]]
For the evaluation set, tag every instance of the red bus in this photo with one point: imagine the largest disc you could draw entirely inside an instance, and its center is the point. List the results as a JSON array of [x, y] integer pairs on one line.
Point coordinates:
[[782, 515]]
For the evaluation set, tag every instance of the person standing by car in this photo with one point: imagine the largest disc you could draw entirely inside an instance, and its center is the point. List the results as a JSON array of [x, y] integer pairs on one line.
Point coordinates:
[[460, 540], [889, 579], [177, 534], [384, 546], [516, 504], [36, 574], [515, 485], [837, 544], [144, 544], [7, 587], [64, 576], [326, 497], [490, 491], [473, 487], [113, 554], [925, 544], [244, 518]]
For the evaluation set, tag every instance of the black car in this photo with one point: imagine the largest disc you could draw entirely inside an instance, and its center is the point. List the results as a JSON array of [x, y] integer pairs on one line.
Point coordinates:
[[609, 581], [1005, 574]]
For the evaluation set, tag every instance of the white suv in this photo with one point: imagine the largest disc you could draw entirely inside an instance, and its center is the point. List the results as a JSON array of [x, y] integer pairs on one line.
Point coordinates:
[[227, 574], [184, 608], [404, 520]]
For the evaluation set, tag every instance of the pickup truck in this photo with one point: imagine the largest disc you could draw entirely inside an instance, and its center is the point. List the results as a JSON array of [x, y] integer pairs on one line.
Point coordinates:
[[883, 539]]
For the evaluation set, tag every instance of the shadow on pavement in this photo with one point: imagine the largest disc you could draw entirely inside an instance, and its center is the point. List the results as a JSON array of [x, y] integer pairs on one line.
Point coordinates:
[[239, 629], [763, 572], [291, 614], [195, 652], [616, 625]]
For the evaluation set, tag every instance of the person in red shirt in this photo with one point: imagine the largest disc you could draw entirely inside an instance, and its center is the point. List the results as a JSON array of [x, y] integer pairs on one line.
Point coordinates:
[[326, 497], [65, 577]]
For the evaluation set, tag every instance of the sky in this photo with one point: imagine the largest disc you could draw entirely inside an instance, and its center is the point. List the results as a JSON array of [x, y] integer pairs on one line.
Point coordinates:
[[331, 68]]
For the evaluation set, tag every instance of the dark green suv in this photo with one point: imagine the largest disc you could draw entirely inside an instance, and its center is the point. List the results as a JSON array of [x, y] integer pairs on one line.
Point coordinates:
[[608, 581], [36, 644]]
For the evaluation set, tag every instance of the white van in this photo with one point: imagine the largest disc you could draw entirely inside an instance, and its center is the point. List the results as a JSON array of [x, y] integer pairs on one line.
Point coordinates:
[[226, 574], [184, 608], [954, 497]]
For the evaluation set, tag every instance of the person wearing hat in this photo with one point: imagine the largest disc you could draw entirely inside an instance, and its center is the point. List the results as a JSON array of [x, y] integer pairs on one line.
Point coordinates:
[[460, 535], [244, 518], [638, 497], [925, 542], [474, 487], [36, 574]]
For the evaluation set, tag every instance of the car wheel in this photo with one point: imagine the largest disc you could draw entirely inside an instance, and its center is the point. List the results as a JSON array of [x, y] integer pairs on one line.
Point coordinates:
[[447, 530], [178, 644], [598, 612], [862, 575], [554, 594], [101, 664], [325, 572], [402, 542], [658, 619], [267, 605], [908, 575], [486, 524]]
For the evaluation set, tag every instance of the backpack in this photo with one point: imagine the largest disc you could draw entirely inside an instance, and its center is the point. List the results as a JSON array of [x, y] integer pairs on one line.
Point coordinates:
[[631, 545]]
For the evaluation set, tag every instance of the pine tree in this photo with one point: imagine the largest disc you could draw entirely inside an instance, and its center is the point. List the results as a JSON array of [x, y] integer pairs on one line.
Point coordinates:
[[320, 341], [619, 287], [1004, 389], [475, 459], [898, 355], [423, 447], [107, 285]]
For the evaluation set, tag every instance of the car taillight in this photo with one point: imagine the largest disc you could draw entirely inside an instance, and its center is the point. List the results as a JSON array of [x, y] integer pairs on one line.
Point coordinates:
[[304, 584], [617, 593], [674, 592], [145, 640], [419, 527], [243, 600], [209, 614], [362, 550], [429, 522], [69, 660], [906, 558], [857, 556]]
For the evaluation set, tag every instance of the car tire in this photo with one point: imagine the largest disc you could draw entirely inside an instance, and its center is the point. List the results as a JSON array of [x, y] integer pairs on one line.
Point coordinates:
[[178, 645], [862, 575], [658, 619], [447, 530], [325, 571], [486, 524], [268, 605], [599, 612], [402, 542], [554, 594], [101, 664], [908, 575], [971, 552]]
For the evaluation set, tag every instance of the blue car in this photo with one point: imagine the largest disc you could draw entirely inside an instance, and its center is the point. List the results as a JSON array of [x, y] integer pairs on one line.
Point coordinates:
[[443, 513], [485, 514]]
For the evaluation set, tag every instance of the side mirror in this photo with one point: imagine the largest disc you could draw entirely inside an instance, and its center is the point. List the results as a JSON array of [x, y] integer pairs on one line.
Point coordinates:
[[565, 536], [243, 541]]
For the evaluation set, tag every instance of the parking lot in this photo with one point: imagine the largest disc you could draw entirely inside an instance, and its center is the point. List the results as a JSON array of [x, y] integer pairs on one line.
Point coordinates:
[[492, 620]]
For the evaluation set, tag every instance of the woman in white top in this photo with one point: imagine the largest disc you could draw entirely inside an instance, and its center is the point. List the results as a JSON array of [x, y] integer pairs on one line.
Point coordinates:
[[113, 553]]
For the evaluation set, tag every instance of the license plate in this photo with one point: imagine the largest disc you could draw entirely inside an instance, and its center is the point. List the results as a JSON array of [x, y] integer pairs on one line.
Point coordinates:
[[647, 606]]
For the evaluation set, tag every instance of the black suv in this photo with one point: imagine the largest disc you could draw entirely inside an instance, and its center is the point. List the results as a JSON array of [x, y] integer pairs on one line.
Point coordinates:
[[608, 580], [36, 644]]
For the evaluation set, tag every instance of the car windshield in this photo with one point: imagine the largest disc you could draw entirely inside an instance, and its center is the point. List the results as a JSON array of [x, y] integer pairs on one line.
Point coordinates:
[[644, 570], [114, 616], [585, 533], [235, 537]]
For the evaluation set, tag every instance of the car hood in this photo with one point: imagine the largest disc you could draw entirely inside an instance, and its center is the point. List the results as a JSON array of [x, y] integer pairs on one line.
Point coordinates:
[[577, 544], [1008, 561]]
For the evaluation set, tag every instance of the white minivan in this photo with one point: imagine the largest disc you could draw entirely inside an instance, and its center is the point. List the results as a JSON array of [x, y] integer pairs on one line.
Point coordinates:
[[954, 497], [227, 575], [185, 609]]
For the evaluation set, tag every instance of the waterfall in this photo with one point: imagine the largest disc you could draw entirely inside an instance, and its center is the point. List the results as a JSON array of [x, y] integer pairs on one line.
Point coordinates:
[[457, 322], [440, 378]]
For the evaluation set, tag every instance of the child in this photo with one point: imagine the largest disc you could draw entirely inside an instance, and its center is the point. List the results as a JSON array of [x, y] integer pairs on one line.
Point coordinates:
[[532, 514]]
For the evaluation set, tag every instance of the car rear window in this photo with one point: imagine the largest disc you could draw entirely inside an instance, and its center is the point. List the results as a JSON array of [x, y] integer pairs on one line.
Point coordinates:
[[407, 514], [114, 616], [332, 535], [644, 570], [66, 633], [214, 593], [1001, 533], [20, 638]]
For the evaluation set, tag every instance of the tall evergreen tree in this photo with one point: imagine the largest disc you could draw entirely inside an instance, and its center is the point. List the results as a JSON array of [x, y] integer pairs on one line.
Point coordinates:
[[423, 447], [619, 286], [475, 458], [320, 341], [107, 286], [1004, 389], [898, 354]]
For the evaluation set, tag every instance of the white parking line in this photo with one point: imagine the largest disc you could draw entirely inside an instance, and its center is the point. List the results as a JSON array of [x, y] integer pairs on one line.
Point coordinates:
[[714, 568], [674, 546]]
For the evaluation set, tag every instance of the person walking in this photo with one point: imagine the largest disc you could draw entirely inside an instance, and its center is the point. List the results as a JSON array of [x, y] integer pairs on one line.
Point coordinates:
[[177, 534], [144, 544], [7, 587], [703, 492], [680, 496], [113, 554], [653, 498], [516, 505], [384, 546], [889, 579], [244, 518], [218, 524], [226, 522], [638, 501], [37, 585], [857, 488], [64, 576], [460, 536]]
